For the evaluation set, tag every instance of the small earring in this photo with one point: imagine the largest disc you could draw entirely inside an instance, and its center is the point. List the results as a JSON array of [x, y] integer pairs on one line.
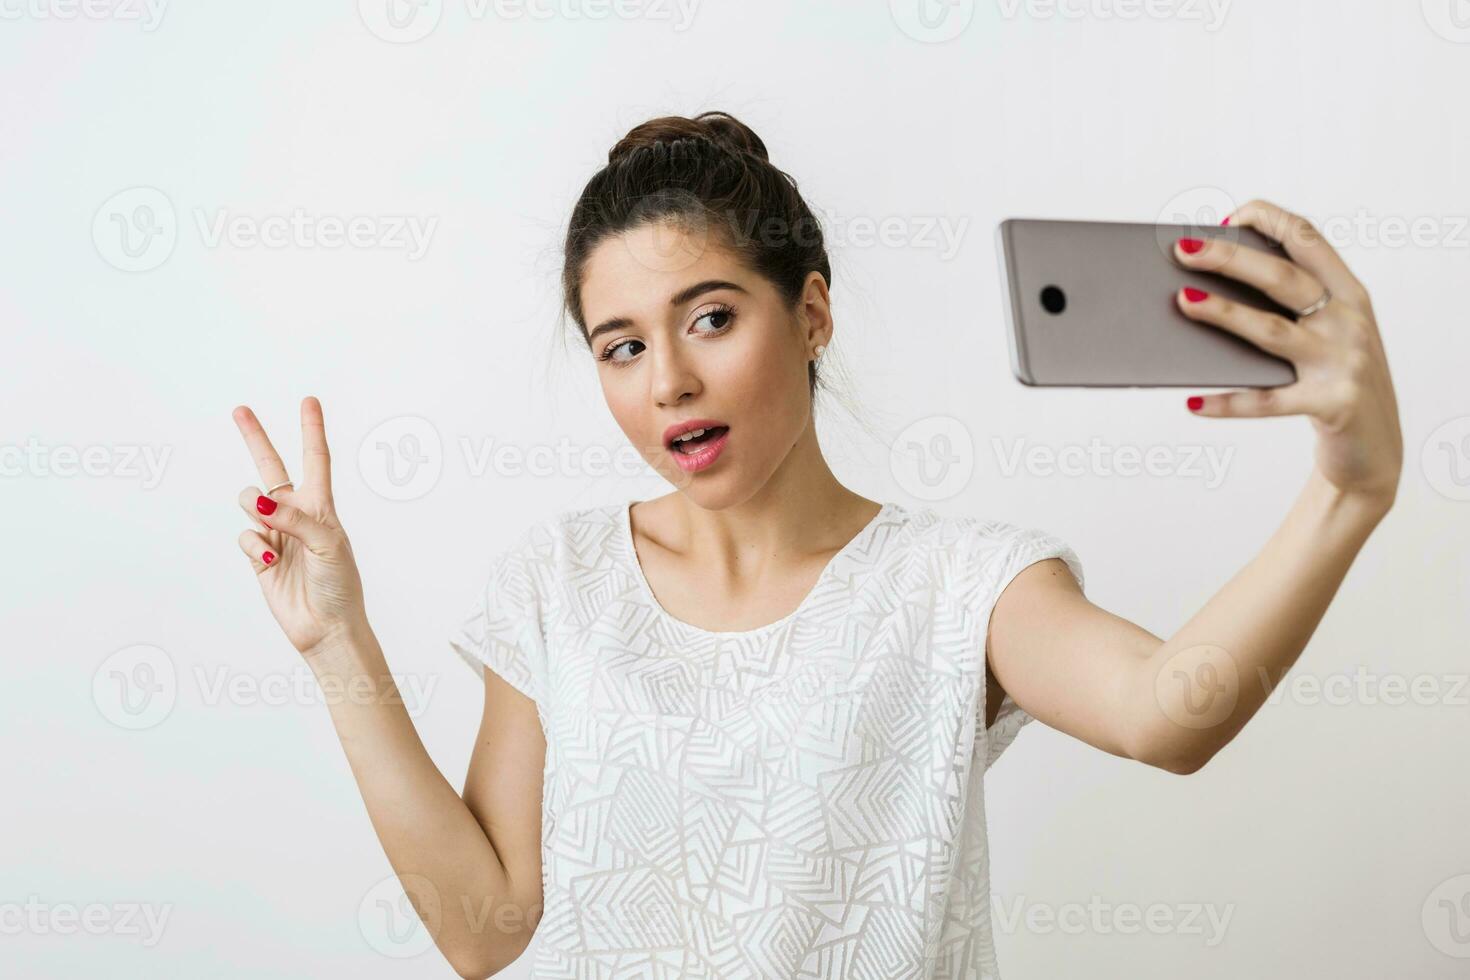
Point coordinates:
[[818, 349]]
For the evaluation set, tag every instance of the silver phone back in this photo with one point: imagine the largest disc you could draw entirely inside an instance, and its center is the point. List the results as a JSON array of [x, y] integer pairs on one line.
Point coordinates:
[[1119, 325]]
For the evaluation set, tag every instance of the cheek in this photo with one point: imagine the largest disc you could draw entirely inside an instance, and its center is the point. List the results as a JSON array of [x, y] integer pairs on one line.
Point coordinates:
[[764, 371], [622, 402], [767, 385]]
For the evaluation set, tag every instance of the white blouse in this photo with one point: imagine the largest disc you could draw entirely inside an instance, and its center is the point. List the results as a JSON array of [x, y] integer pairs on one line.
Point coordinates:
[[800, 800]]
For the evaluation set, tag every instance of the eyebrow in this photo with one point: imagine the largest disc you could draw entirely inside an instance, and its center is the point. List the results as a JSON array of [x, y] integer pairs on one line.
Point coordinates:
[[678, 299]]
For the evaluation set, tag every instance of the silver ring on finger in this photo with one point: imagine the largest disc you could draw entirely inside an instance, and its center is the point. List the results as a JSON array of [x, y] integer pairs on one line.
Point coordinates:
[[1326, 298], [278, 486]]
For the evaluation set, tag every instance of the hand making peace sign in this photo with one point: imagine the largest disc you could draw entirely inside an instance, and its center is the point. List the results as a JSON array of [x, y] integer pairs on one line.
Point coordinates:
[[301, 557]]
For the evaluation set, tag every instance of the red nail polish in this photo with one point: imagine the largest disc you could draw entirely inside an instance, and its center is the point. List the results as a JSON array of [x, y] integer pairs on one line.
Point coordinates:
[[1226, 221], [1196, 403], [1191, 245], [265, 505], [1195, 295], [267, 557], [267, 524]]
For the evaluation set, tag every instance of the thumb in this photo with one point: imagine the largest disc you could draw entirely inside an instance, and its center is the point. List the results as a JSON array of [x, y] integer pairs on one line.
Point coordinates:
[[281, 516]]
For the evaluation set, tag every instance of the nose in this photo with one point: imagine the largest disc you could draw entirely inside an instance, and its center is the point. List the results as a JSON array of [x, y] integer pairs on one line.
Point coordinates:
[[673, 378]]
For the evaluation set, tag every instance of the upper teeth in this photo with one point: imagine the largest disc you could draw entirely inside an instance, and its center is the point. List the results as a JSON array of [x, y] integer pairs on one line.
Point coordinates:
[[689, 435]]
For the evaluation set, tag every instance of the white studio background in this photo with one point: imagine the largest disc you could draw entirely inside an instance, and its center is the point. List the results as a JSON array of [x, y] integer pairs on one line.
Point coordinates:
[[176, 802]]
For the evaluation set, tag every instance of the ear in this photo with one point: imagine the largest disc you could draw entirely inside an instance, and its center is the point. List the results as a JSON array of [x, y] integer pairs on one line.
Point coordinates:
[[815, 310]]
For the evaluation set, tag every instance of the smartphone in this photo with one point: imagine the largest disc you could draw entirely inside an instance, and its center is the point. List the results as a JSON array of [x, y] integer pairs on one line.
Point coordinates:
[[1090, 304]]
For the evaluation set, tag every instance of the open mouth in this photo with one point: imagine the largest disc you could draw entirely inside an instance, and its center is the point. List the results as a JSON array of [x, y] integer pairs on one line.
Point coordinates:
[[690, 442]]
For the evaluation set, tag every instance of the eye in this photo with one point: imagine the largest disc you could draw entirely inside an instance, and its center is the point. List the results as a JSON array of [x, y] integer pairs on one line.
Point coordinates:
[[727, 312], [724, 313], [609, 353]]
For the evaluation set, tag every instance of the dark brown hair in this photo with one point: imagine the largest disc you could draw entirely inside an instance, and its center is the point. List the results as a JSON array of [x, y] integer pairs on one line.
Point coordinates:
[[709, 172]]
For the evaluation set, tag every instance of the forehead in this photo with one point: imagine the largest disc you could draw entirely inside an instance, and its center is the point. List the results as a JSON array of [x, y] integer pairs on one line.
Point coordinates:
[[643, 266]]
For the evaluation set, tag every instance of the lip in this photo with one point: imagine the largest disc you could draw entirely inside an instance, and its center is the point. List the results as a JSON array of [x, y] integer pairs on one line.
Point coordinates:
[[679, 428], [701, 458]]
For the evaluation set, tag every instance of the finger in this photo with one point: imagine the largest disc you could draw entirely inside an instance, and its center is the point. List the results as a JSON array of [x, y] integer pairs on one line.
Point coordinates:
[[247, 502], [1303, 242], [267, 461], [1281, 279], [258, 549], [1252, 403], [1271, 332], [316, 460], [281, 516]]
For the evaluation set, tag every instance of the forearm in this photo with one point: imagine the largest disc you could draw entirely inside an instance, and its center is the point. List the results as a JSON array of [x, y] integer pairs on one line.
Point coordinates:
[[1198, 690], [429, 834]]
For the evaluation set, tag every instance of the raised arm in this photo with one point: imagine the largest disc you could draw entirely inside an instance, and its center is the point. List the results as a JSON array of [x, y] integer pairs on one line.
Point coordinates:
[[470, 865], [1175, 703]]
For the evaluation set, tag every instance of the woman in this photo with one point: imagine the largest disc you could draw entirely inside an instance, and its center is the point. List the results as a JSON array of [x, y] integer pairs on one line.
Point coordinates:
[[740, 730]]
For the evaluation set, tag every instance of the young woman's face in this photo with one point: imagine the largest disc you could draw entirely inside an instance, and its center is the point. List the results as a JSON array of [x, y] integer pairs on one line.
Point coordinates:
[[696, 335]]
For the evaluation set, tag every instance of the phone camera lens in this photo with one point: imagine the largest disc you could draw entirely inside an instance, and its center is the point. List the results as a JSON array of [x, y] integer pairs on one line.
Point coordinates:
[[1053, 300]]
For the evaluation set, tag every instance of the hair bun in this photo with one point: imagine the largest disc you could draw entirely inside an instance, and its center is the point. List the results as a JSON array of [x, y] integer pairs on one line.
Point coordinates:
[[720, 128]]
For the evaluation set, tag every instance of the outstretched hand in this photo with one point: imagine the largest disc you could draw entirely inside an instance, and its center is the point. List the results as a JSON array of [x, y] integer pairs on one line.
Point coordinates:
[[1343, 383]]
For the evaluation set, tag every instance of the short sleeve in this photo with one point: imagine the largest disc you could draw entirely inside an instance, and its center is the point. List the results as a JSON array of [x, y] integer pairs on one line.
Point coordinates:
[[505, 630], [1015, 550]]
